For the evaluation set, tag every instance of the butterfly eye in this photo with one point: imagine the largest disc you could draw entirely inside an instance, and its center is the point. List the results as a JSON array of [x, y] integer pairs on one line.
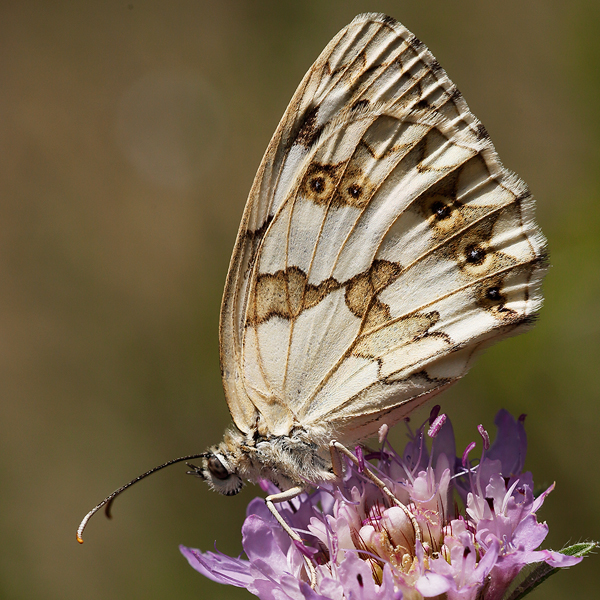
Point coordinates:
[[440, 210], [219, 473], [217, 469], [474, 254], [317, 184]]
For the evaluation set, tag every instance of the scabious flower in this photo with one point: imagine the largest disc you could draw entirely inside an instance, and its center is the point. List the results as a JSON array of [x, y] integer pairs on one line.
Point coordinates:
[[465, 531]]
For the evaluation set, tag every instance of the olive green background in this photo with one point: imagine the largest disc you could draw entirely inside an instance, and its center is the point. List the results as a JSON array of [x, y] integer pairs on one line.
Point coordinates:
[[129, 136]]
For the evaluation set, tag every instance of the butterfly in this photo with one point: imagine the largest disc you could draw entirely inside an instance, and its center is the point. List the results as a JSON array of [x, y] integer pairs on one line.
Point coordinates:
[[382, 246]]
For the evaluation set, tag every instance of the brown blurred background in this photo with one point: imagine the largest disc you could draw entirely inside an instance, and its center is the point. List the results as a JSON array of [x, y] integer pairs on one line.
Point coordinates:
[[130, 132]]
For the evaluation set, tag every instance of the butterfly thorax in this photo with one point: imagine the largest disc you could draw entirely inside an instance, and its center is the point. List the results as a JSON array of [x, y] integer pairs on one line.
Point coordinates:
[[297, 459]]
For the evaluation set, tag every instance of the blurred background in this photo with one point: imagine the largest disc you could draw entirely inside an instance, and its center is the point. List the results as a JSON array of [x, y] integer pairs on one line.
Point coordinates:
[[130, 132]]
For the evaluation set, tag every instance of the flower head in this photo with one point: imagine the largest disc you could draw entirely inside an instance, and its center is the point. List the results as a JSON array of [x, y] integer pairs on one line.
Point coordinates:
[[365, 545]]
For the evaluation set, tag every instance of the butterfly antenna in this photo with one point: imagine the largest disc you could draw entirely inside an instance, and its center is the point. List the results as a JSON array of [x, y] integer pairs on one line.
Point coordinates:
[[107, 502]]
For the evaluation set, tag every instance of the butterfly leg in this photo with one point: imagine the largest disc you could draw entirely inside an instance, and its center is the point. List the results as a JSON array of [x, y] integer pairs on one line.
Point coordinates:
[[336, 449], [283, 497]]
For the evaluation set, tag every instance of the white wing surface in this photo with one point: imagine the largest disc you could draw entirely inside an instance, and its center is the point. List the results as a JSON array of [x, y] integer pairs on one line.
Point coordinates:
[[382, 244]]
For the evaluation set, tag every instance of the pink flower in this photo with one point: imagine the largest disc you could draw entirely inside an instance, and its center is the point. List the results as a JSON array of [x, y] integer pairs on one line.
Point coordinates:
[[364, 547]]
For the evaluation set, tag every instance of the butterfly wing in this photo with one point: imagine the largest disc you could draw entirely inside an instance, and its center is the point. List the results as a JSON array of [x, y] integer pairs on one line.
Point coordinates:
[[382, 244]]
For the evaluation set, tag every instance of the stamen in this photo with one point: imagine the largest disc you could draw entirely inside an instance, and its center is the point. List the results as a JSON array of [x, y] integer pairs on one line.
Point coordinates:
[[436, 425], [435, 411], [383, 433], [358, 451], [309, 553], [484, 436], [421, 446], [508, 496], [465, 456]]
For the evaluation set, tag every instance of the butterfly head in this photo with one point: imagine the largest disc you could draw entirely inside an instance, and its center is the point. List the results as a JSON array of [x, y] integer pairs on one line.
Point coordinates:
[[219, 471]]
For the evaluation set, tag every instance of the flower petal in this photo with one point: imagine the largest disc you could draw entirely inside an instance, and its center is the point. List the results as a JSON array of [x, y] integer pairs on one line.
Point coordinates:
[[510, 445], [432, 584], [219, 567]]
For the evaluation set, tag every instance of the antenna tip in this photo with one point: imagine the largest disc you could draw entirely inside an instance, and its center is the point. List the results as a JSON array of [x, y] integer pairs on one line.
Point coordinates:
[[79, 538]]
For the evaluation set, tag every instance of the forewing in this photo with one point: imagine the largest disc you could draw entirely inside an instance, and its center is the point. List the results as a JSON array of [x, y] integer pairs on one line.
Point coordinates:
[[382, 244]]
